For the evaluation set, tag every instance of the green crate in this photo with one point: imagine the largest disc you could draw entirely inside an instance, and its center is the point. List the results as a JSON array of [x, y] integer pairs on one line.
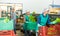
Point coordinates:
[[2, 18], [6, 26]]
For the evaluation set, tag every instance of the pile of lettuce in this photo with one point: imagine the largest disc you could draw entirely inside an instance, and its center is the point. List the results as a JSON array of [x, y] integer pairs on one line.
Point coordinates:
[[32, 18], [56, 21]]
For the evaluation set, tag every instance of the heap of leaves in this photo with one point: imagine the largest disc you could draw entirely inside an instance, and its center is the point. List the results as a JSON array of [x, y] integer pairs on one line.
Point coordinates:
[[32, 18]]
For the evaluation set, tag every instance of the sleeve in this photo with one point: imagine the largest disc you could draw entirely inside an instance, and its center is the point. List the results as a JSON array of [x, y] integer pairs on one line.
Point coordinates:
[[26, 19], [48, 21], [15, 15], [11, 16], [38, 19]]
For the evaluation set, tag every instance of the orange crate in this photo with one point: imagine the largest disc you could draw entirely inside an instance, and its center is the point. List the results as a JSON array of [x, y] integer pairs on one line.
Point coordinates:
[[43, 31], [7, 33]]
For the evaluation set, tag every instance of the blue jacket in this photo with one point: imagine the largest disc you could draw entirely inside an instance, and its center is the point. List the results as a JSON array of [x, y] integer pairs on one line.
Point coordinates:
[[42, 20]]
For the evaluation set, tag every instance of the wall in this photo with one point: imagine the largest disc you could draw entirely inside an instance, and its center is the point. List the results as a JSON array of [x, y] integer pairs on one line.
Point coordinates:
[[32, 5]]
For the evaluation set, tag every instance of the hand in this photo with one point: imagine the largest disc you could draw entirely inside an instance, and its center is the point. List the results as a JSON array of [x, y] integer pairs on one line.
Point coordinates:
[[27, 22], [39, 25], [52, 22]]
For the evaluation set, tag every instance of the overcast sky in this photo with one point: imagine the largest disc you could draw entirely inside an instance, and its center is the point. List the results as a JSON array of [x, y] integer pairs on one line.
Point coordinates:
[[33, 5]]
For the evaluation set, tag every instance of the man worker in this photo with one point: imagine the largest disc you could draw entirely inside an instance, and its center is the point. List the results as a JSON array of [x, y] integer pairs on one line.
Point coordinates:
[[13, 17]]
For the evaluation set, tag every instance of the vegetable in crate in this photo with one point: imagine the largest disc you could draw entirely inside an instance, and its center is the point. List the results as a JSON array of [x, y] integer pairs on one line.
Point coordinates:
[[6, 20], [51, 31], [32, 18], [56, 21]]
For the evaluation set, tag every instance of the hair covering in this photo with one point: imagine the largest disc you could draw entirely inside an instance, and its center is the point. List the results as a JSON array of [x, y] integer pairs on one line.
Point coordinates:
[[46, 9], [27, 10]]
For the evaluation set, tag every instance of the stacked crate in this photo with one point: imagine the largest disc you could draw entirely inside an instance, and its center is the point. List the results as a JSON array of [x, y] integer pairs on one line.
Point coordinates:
[[6, 28], [7, 33], [52, 30]]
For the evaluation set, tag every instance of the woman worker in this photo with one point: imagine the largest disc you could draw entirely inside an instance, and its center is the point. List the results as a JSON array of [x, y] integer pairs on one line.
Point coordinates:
[[41, 21], [29, 24]]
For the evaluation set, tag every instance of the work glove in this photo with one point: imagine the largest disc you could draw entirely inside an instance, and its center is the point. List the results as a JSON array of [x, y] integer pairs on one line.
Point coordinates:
[[39, 25], [54, 22]]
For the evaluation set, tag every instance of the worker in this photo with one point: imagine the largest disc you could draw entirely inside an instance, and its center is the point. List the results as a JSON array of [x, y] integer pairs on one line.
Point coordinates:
[[41, 21], [13, 17], [29, 25], [26, 17]]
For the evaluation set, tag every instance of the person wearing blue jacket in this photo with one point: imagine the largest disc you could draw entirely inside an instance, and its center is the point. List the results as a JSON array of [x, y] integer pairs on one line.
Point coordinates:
[[42, 20], [13, 17]]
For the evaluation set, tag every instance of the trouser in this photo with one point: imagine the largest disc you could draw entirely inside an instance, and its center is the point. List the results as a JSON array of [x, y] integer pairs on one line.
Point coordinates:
[[27, 33], [15, 30], [42, 31], [36, 33], [37, 30], [15, 26]]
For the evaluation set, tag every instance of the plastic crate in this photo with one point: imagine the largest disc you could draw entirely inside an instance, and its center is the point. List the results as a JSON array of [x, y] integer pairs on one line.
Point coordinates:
[[42, 31], [6, 26], [52, 30], [2, 18], [58, 29], [7, 33]]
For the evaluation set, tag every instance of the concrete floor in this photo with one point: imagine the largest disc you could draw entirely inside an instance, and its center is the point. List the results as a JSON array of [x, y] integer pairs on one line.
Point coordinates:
[[19, 33]]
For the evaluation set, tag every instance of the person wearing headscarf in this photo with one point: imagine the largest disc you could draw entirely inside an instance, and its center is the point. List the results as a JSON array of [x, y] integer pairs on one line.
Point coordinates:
[[41, 22]]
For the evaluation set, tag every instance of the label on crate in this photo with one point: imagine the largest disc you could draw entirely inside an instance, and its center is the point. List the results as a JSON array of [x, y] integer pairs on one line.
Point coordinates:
[[51, 31]]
